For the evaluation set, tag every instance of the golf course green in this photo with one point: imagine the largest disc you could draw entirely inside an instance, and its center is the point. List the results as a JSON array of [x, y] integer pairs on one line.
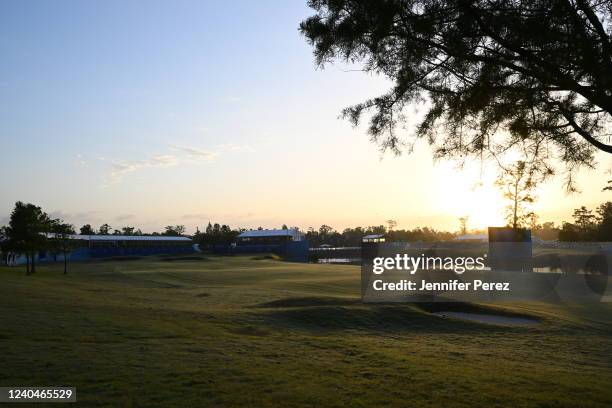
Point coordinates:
[[238, 331]]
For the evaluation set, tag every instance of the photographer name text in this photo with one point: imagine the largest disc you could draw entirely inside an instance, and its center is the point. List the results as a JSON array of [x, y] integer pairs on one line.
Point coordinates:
[[451, 285]]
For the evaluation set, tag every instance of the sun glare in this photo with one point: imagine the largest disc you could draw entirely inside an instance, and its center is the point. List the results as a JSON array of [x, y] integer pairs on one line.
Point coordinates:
[[467, 194], [483, 207]]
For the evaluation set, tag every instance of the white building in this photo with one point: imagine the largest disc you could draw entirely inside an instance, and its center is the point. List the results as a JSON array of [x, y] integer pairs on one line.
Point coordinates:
[[274, 236]]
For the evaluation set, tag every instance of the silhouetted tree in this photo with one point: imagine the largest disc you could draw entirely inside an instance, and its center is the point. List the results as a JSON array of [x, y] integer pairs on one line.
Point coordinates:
[[546, 231], [583, 228], [541, 70], [463, 224], [104, 229], [584, 218], [517, 185], [87, 230], [26, 232], [6, 246], [62, 239], [604, 221], [175, 230], [533, 221], [127, 230], [216, 235]]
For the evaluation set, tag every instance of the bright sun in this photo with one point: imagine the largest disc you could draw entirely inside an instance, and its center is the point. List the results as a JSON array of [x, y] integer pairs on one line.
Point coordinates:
[[484, 206], [481, 202]]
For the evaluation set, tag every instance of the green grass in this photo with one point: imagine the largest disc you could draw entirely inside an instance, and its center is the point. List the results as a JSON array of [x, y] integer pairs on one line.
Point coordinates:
[[246, 332]]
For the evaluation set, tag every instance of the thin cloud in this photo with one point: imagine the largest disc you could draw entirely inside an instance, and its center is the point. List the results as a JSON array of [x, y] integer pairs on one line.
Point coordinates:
[[180, 154], [122, 167], [196, 153], [194, 217], [80, 160], [124, 217]]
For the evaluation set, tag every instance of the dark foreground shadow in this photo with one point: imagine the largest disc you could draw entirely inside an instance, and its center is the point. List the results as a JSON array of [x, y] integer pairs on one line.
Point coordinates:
[[321, 314], [309, 302]]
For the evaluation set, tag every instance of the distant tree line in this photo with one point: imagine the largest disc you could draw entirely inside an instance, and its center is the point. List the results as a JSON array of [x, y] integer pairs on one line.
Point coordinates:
[[327, 235], [216, 234], [105, 229], [589, 225]]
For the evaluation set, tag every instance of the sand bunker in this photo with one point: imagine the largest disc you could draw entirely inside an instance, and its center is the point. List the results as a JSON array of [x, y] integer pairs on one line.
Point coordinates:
[[490, 319]]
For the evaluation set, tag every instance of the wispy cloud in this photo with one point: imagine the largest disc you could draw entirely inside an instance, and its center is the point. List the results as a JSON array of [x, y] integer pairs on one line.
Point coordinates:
[[122, 167], [124, 217], [195, 217], [80, 160], [179, 154], [196, 153]]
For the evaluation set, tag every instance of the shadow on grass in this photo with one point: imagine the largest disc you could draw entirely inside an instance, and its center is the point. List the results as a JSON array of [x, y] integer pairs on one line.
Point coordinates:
[[320, 314], [250, 331], [267, 257], [117, 259], [466, 307], [167, 258], [309, 302]]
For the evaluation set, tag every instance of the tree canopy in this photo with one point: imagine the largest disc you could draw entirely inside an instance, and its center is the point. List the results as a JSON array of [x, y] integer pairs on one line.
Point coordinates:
[[26, 231], [493, 75]]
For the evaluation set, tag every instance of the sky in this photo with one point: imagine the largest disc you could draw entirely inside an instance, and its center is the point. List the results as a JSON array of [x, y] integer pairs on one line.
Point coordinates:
[[155, 113]]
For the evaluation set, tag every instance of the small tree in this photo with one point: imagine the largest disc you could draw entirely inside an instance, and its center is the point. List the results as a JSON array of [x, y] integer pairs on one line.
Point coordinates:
[[517, 184], [26, 232], [604, 218], [178, 230], [87, 230], [392, 224], [463, 224], [533, 221], [62, 239], [105, 229], [5, 245], [127, 230], [585, 226], [584, 219]]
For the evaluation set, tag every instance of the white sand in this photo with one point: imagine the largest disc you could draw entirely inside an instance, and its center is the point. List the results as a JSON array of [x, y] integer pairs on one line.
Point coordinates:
[[489, 319]]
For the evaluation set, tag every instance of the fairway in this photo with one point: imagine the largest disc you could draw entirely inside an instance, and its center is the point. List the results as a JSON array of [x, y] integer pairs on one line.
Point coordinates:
[[237, 331]]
